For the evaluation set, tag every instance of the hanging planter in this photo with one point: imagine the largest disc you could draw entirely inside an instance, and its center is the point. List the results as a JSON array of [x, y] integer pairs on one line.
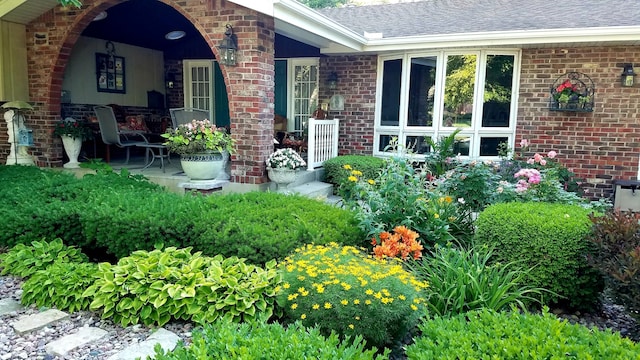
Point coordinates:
[[572, 91]]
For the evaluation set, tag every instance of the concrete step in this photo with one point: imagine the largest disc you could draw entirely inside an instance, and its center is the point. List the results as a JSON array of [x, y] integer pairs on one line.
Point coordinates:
[[306, 176], [83, 336], [167, 340], [314, 189], [37, 321], [9, 305]]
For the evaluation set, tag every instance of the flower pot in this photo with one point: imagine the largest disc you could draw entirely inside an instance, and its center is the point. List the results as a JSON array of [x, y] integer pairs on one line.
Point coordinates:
[[281, 176], [72, 147], [205, 166]]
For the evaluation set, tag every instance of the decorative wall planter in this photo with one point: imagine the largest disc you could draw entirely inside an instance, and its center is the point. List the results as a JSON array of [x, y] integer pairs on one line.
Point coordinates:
[[72, 147], [202, 166], [572, 91], [281, 176]]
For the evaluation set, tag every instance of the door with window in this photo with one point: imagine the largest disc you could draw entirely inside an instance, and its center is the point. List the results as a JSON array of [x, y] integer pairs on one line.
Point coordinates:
[[303, 80], [204, 88]]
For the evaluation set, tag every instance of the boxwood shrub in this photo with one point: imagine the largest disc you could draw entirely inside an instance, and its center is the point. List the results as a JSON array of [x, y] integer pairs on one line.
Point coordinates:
[[551, 240], [485, 334], [226, 340]]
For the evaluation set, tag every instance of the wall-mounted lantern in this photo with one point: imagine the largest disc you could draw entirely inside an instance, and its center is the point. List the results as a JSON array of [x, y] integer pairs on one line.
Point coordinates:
[[627, 76], [332, 80], [228, 47]]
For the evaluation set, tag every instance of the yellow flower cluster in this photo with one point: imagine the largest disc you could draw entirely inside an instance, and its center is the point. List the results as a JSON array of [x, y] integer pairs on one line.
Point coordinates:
[[336, 276], [356, 174]]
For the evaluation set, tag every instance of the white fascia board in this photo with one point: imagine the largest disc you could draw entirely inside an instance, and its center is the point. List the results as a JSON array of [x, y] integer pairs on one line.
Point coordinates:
[[506, 38], [307, 19], [265, 7]]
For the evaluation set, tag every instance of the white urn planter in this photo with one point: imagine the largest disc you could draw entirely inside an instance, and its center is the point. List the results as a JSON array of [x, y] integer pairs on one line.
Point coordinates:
[[72, 147], [282, 176], [206, 166]]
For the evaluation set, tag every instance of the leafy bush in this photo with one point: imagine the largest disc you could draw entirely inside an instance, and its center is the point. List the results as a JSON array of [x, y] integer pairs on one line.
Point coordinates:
[[486, 334], [61, 285], [400, 196], [441, 158], [261, 226], [345, 291], [464, 280], [24, 261], [551, 240], [154, 287], [474, 183], [226, 340], [617, 257], [335, 172]]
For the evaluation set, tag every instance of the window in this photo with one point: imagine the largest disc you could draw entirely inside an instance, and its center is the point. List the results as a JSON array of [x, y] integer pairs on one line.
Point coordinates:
[[436, 93], [304, 85]]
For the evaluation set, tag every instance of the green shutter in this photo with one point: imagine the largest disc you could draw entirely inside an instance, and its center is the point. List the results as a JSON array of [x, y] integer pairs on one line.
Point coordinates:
[[221, 98], [280, 91]]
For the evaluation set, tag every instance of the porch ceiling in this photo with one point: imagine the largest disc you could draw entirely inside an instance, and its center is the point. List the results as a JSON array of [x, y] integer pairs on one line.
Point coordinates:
[[24, 11]]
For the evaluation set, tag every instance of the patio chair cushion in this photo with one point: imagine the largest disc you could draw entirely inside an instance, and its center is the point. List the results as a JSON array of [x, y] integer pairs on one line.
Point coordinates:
[[134, 123]]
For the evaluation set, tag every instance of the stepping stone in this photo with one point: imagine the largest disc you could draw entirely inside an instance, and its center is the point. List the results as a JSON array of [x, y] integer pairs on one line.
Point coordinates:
[[83, 336], [167, 339], [37, 321], [8, 306]]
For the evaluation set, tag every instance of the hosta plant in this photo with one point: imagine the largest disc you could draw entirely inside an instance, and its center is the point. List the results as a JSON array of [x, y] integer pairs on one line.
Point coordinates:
[[347, 291], [61, 285], [157, 286], [24, 260]]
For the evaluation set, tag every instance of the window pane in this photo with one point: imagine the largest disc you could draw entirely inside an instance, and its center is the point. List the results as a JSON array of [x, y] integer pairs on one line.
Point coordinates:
[[391, 78], [458, 90], [421, 91], [489, 145], [417, 144], [497, 91], [462, 145], [385, 140]]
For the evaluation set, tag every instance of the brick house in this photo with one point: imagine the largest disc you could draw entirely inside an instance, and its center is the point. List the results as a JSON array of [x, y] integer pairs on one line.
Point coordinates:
[[404, 70]]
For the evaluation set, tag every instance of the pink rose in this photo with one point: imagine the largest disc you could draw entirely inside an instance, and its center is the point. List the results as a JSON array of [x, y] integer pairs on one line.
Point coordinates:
[[537, 157], [552, 154], [530, 161], [524, 143], [543, 162]]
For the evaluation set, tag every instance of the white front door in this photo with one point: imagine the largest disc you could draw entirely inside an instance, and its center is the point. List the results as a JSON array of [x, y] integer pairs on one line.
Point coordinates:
[[198, 86]]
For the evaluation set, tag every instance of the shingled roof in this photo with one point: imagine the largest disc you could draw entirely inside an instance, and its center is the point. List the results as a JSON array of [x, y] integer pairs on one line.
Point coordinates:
[[437, 17]]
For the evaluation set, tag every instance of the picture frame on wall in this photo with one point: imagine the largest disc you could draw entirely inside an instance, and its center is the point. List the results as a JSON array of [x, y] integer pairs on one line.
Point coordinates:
[[110, 73]]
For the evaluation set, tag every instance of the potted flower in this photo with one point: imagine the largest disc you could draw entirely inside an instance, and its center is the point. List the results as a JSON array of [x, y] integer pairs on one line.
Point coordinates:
[[203, 148], [72, 132], [568, 93], [283, 165]]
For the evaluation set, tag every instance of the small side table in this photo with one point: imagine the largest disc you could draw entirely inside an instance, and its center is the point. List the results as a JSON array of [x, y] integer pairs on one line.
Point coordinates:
[[161, 154]]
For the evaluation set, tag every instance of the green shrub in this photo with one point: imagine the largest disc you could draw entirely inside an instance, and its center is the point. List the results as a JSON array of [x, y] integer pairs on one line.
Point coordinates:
[[61, 285], [24, 261], [464, 280], [617, 257], [346, 291], [551, 239], [261, 226], [335, 172], [226, 340], [486, 334], [155, 287]]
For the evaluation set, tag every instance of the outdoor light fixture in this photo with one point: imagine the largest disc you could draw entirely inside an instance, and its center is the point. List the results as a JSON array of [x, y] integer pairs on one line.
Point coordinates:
[[169, 79], [628, 75], [332, 80], [228, 47], [175, 35], [101, 16]]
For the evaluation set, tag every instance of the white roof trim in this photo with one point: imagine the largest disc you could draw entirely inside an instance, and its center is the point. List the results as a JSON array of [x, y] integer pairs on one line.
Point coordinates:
[[306, 19], [506, 38]]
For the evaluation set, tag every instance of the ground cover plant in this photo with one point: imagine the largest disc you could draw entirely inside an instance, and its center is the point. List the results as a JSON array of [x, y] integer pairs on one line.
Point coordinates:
[[348, 292], [25, 260], [485, 334], [551, 240], [227, 340]]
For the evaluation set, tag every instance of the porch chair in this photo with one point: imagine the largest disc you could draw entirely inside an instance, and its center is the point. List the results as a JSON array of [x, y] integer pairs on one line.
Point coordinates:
[[181, 116], [112, 135]]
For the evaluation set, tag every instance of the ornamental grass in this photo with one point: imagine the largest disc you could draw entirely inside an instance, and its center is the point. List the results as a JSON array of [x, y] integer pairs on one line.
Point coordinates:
[[343, 289]]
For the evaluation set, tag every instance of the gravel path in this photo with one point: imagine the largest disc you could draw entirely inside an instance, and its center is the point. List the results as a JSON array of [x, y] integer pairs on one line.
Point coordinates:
[[31, 346]]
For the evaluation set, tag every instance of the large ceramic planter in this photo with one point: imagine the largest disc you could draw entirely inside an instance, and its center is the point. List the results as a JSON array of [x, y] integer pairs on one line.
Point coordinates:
[[202, 166], [72, 147], [282, 177]]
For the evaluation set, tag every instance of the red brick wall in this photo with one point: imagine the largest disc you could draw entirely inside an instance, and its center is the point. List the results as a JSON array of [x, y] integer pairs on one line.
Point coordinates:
[[600, 146], [51, 37], [357, 84]]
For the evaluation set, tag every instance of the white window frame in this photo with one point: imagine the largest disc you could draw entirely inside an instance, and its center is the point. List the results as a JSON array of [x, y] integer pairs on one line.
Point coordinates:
[[187, 65], [437, 130], [292, 63]]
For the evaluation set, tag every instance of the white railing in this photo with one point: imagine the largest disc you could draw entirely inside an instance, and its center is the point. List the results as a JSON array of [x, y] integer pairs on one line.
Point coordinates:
[[322, 142]]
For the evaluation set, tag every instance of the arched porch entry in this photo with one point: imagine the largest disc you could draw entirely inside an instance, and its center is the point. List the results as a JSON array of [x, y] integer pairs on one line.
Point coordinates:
[[249, 85]]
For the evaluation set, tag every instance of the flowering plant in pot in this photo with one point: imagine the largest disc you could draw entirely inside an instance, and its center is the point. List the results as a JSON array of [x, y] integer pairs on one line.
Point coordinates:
[[283, 165], [76, 129], [197, 137]]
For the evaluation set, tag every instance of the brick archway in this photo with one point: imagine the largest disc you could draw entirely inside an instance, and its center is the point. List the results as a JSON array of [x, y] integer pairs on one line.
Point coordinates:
[[52, 36]]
